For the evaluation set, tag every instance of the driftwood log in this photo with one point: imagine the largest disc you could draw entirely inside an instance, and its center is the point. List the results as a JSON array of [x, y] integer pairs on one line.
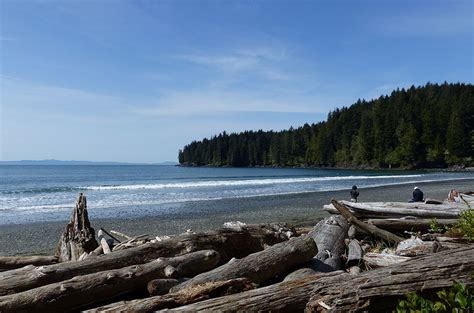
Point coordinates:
[[227, 242], [260, 266], [329, 235], [367, 210], [379, 290], [81, 291], [412, 224], [12, 262], [383, 234], [78, 236], [290, 296], [180, 298], [373, 260]]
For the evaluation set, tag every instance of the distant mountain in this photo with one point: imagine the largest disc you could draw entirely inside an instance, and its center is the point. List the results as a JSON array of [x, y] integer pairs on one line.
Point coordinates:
[[73, 162]]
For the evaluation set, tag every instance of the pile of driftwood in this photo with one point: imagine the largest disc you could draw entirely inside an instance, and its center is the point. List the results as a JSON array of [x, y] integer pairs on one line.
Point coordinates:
[[336, 265]]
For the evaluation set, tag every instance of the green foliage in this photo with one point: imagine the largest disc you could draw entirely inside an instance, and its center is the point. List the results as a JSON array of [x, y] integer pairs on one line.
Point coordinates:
[[435, 227], [429, 126], [466, 224], [458, 298]]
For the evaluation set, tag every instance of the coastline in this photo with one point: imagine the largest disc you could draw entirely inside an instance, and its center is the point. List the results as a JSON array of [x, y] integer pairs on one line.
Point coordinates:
[[302, 209]]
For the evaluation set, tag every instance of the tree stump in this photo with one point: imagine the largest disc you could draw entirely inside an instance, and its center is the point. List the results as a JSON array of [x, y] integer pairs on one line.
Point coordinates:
[[78, 236]]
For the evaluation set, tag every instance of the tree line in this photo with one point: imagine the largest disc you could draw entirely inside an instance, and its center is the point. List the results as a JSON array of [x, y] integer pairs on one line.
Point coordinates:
[[420, 127]]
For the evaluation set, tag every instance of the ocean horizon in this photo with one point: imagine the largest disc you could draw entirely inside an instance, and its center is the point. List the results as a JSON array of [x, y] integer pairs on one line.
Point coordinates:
[[39, 193]]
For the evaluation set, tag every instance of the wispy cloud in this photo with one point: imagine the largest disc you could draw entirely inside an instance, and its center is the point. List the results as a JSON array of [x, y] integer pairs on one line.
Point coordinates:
[[263, 61]]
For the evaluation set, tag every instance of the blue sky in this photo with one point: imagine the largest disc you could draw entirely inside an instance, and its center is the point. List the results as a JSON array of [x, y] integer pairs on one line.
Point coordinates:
[[137, 80]]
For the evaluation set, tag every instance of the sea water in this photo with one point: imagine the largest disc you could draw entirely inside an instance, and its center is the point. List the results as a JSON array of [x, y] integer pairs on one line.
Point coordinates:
[[32, 193]]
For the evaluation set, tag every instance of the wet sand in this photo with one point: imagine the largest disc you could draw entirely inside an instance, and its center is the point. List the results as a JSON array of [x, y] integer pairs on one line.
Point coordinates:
[[296, 209]]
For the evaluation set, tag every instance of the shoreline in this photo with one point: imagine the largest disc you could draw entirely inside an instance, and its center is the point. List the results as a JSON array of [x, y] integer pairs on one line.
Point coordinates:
[[303, 209]]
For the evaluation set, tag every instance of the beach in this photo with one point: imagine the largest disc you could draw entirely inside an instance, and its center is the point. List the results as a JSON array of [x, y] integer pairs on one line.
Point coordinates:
[[299, 209]]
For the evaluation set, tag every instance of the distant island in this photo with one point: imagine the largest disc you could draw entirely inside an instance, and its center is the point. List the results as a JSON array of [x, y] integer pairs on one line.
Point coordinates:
[[431, 126], [72, 162]]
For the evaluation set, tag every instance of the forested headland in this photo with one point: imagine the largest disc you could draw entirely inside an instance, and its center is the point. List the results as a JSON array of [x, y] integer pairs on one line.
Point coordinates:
[[420, 127]]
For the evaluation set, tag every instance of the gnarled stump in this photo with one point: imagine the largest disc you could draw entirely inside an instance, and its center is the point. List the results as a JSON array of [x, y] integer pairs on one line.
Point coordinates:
[[78, 236], [329, 235]]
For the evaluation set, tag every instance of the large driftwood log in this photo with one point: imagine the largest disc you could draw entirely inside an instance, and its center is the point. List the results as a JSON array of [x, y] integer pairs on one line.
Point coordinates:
[[383, 234], [12, 262], [260, 266], [161, 286], [380, 289], [329, 235], [373, 260], [180, 298], [400, 209], [290, 296], [82, 291], [227, 242], [412, 224], [78, 236]]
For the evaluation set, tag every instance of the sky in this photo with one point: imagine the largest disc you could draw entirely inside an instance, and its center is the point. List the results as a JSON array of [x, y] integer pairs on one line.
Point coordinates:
[[135, 81]]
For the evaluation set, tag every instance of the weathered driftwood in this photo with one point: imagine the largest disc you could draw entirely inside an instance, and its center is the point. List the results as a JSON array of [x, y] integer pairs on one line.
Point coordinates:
[[110, 235], [194, 294], [373, 260], [127, 237], [103, 242], [227, 242], [379, 290], [355, 253], [329, 235], [260, 266], [290, 296], [400, 209], [82, 291], [383, 234], [161, 286], [409, 224], [416, 246], [78, 236], [12, 262]]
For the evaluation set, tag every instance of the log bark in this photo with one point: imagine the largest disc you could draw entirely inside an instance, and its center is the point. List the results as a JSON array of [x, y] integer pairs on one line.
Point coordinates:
[[260, 266], [13, 262], [383, 234], [180, 298], [82, 291], [413, 224], [290, 296], [227, 242], [78, 236], [329, 235], [379, 290]]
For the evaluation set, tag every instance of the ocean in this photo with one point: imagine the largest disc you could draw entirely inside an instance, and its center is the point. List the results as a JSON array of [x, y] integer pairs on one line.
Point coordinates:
[[38, 193]]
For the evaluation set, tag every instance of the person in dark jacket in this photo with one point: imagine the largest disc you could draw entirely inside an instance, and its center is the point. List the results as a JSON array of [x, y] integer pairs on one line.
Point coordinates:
[[354, 193], [417, 195]]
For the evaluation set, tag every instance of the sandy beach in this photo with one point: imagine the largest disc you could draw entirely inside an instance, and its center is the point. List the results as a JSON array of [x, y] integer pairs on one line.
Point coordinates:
[[296, 209]]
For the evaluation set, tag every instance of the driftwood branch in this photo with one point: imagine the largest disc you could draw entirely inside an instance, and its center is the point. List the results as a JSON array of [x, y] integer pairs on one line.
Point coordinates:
[[13, 262], [383, 234]]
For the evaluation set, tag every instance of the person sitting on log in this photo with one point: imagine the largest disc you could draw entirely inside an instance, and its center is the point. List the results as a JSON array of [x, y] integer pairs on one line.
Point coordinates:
[[417, 195], [354, 193]]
